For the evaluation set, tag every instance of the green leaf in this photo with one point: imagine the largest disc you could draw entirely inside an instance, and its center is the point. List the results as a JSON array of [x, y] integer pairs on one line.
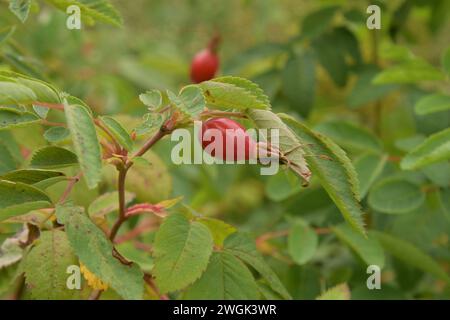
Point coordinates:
[[302, 242], [100, 10], [282, 185], [409, 72], [332, 58], [339, 292], [12, 119], [226, 278], [40, 91], [18, 198], [31, 176], [233, 93], [14, 93], [446, 61], [7, 161], [410, 255], [95, 251], [289, 144], [46, 267], [395, 196], [368, 249], [191, 100], [318, 21], [151, 121], [434, 149], [151, 99], [11, 250], [243, 247], [56, 134], [432, 103], [349, 135], [20, 8], [219, 229], [364, 91], [368, 167], [299, 82], [42, 112], [107, 203], [53, 157], [118, 132], [86, 143], [338, 176], [181, 250]]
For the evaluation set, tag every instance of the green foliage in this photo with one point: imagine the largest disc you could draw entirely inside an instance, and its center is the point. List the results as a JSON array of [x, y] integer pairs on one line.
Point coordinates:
[[100, 10], [432, 103], [337, 176], [95, 251], [434, 149], [368, 167], [46, 267], [118, 132], [226, 278], [20, 8], [13, 119], [53, 157], [339, 292], [396, 196], [85, 142], [302, 242], [18, 198], [182, 250]]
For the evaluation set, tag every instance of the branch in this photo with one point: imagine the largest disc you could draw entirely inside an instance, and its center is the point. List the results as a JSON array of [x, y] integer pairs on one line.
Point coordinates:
[[69, 187], [56, 106]]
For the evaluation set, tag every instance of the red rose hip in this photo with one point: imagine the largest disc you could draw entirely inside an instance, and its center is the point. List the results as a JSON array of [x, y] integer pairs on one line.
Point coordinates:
[[226, 139], [205, 63]]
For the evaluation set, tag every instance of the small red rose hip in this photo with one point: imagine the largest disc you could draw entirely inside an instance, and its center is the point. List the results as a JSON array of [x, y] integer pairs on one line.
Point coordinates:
[[226, 139], [205, 63]]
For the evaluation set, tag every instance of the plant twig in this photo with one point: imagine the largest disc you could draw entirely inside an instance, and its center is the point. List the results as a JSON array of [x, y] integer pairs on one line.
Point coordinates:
[[56, 106], [122, 204], [69, 187]]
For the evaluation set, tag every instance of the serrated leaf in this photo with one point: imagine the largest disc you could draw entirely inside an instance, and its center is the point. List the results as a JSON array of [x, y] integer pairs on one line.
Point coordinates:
[[151, 121], [282, 185], [432, 103], [339, 292], [18, 198], [233, 93], [181, 251], [12, 119], [410, 255], [395, 196], [56, 134], [338, 176], [101, 10], [434, 149], [118, 132], [409, 72], [226, 278], [302, 242], [30, 176], [219, 229], [46, 267], [53, 157], [95, 251], [299, 82], [87, 147], [151, 99], [243, 247], [368, 167], [350, 136], [20, 8], [190, 100], [289, 144], [368, 249], [14, 93]]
